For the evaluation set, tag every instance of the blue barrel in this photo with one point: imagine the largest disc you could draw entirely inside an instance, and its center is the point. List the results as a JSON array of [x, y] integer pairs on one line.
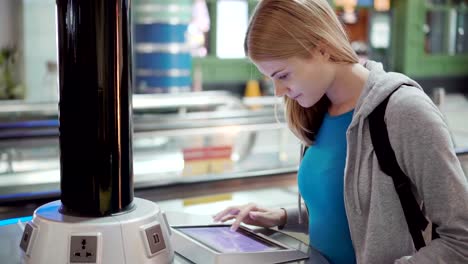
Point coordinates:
[[162, 54]]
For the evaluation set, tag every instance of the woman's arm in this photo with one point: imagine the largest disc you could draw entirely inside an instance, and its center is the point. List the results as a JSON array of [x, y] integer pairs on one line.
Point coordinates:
[[424, 150]]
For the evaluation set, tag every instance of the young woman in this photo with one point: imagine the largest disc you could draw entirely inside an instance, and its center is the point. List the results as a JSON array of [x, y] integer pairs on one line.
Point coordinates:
[[353, 211]]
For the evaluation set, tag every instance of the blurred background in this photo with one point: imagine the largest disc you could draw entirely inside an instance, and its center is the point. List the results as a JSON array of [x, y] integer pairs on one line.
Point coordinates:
[[208, 131]]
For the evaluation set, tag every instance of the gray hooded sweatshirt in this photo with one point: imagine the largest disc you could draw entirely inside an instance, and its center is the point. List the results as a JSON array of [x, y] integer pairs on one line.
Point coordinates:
[[424, 150]]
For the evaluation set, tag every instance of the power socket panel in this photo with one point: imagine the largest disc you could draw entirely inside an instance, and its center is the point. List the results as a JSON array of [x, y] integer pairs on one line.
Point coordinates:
[[84, 248], [153, 239], [27, 239]]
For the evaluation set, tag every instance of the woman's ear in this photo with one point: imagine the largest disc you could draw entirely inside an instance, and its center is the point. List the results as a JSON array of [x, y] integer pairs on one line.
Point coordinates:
[[323, 52], [320, 52]]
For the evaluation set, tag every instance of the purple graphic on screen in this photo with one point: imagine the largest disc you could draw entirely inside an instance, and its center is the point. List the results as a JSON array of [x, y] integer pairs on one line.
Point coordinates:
[[226, 241]]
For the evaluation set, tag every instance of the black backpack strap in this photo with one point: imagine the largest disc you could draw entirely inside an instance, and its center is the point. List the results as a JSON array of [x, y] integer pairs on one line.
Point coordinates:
[[389, 165]]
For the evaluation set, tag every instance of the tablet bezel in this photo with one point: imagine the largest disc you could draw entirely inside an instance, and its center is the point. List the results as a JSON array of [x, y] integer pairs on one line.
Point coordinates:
[[274, 245]]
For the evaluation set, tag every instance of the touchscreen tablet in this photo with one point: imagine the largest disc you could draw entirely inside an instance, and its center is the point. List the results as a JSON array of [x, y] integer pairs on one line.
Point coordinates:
[[222, 239]]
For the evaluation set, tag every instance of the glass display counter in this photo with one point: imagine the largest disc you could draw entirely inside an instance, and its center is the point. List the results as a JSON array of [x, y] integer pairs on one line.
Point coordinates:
[[184, 138]]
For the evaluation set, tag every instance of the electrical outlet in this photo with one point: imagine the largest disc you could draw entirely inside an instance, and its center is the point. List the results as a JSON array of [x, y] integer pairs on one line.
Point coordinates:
[[27, 239], [154, 239], [83, 248]]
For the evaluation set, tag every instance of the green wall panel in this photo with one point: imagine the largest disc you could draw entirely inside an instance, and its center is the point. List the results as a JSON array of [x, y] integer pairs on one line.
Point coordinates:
[[215, 70], [408, 52]]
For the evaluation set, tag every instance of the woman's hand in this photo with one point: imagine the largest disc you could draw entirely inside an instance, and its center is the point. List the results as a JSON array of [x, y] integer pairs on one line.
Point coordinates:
[[252, 214]]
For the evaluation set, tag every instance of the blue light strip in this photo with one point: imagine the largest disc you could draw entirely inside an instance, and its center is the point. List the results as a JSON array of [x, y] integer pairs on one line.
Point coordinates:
[[30, 195], [15, 220], [29, 124]]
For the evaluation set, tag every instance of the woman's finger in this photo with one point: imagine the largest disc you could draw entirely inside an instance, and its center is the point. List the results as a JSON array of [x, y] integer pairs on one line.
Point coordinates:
[[227, 218], [241, 215], [233, 210]]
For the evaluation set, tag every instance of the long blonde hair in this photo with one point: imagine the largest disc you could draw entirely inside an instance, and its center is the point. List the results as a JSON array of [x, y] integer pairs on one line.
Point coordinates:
[[281, 29]]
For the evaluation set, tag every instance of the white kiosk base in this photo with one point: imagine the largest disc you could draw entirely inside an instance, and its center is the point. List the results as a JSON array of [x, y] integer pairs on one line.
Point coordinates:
[[141, 236]]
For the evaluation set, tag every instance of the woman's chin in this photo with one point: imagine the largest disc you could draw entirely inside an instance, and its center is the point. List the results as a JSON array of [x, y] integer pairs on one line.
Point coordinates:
[[304, 104]]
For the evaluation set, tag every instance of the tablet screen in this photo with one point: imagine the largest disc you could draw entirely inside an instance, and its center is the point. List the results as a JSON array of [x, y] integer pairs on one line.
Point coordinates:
[[222, 239]]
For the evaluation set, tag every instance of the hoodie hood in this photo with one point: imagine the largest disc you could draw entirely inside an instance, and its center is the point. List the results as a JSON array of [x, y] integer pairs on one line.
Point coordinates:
[[378, 87]]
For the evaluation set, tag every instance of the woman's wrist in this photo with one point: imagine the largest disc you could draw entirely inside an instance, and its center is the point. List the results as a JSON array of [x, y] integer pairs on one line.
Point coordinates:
[[283, 218]]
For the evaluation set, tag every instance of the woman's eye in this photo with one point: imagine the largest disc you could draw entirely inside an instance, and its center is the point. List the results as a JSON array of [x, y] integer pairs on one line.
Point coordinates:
[[282, 77]]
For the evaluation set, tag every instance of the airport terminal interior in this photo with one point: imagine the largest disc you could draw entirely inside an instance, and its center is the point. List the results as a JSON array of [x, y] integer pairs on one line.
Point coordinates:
[[202, 127]]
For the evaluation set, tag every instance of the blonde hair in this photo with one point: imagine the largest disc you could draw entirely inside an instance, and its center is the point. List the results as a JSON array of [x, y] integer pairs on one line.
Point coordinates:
[[281, 29]]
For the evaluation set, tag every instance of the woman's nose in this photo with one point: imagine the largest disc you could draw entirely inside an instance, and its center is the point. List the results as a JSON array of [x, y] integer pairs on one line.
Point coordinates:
[[280, 90]]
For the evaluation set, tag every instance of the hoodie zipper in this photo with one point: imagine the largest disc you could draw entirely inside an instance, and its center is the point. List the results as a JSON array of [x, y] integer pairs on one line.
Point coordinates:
[[357, 168]]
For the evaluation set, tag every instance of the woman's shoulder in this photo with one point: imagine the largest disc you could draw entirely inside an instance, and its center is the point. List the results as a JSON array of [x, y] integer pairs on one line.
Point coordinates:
[[410, 99], [410, 105]]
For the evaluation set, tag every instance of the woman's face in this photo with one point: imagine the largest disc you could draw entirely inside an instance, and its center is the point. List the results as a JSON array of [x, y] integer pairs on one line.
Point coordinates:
[[305, 80]]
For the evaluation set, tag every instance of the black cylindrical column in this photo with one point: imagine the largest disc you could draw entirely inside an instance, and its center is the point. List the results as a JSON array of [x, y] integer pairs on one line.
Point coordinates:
[[95, 107]]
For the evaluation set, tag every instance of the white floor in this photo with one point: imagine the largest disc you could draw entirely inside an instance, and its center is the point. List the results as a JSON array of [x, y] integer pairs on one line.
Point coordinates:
[[455, 109], [274, 197]]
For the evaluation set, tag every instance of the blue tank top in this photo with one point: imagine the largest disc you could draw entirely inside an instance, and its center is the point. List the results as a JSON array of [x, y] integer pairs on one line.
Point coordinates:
[[321, 179]]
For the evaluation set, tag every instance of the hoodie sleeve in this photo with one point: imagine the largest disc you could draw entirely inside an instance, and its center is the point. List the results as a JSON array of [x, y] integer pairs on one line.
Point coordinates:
[[292, 220], [424, 150]]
